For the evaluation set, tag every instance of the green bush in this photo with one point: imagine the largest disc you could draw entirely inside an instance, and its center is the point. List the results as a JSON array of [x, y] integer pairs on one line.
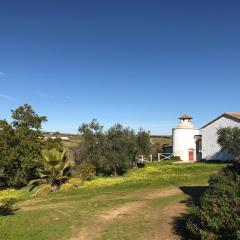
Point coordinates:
[[87, 171], [140, 164], [217, 215]]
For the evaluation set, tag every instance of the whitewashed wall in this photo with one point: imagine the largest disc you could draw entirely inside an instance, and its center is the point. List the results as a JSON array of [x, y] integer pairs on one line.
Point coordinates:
[[183, 140], [210, 148]]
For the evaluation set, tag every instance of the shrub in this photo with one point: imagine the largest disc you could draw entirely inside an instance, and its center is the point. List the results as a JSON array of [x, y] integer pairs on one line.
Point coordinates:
[[140, 164], [87, 171], [217, 215]]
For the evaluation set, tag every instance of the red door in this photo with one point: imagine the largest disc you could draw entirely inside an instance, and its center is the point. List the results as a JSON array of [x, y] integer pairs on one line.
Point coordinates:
[[190, 155]]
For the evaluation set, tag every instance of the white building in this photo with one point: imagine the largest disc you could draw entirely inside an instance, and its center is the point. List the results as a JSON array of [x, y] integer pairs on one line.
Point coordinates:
[[184, 142], [210, 148], [192, 144]]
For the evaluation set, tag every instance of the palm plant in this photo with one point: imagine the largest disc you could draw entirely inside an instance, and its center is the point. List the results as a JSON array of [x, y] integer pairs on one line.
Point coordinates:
[[56, 171]]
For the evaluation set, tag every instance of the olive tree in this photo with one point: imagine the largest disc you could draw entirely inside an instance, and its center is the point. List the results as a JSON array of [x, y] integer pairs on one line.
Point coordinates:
[[229, 140]]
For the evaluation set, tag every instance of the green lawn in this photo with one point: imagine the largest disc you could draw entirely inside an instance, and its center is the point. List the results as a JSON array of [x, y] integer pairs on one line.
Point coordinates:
[[62, 215]]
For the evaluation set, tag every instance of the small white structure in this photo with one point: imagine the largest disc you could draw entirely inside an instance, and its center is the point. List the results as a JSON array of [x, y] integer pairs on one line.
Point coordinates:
[[210, 148], [184, 138]]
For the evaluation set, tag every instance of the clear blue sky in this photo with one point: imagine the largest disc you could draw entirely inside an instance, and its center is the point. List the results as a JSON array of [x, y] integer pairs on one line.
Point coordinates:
[[140, 63]]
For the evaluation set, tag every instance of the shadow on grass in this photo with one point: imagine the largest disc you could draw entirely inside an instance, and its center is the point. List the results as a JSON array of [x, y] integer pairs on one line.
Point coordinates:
[[6, 208], [180, 223]]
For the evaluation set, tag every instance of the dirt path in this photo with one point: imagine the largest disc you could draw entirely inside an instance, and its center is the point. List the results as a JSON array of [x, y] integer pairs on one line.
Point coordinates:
[[97, 226], [163, 224]]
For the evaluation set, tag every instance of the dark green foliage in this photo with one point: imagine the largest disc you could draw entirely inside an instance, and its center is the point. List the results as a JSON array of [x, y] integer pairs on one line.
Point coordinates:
[[87, 171], [53, 143], [6, 207], [94, 144], [229, 140], [217, 216], [140, 164], [120, 150], [21, 143], [113, 151]]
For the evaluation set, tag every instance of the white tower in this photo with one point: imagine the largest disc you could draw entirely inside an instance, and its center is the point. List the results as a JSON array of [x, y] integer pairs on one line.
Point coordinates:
[[184, 144]]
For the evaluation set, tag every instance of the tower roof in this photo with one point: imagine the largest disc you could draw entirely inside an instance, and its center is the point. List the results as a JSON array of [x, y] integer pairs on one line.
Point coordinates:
[[185, 116]]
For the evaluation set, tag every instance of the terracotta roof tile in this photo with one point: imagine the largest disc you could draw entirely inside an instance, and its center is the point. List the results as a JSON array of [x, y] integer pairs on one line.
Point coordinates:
[[230, 114], [185, 116], [233, 114]]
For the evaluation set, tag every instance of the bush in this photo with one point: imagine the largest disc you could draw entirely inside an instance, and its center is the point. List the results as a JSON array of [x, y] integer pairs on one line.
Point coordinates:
[[87, 171], [140, 164], [217, 216]]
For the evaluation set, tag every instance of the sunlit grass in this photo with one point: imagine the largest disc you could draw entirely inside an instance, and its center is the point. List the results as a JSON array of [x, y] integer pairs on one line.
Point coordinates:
[[60, 214]]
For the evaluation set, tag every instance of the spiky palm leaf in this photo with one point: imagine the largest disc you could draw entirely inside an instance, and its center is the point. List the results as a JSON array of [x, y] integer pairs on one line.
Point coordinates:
[[55, 174]]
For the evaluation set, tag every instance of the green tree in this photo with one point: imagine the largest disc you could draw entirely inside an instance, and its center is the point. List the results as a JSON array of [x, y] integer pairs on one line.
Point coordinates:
[[229, 140], [121, 149], [21, 143], [94, 144], [113, 151], [143, 142]]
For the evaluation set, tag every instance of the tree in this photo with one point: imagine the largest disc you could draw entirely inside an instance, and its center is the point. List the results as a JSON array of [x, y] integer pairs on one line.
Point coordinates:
[[8, 155], [143, 142], [21, 142], [121, 149], [113, 151], [56, 171], [229, 140], [94, 143], [25, 117]]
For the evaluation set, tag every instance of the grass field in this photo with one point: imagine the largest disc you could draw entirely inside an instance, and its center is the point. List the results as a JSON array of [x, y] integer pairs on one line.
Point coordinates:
[[139, 205]]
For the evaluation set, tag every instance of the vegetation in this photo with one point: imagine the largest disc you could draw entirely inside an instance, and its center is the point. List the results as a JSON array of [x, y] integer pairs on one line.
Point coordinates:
[[27, 157], [229, 140], [87, 171], [21, 143], [56, 171], [112, 152], [217, 216], [61, 215]]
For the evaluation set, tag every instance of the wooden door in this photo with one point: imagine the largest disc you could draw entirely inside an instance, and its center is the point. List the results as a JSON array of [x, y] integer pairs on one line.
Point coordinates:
[[190, 155]]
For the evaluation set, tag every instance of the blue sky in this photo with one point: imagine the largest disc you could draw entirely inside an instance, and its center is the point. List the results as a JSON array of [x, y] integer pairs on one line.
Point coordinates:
[[140, 63]]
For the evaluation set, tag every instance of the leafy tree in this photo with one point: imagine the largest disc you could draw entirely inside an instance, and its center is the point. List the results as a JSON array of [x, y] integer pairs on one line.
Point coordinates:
[[113, 151], [229, 140], [56, 171], [94, 143], [8, 155], [53, 143], [143, 142], [21, 143], [25, 117], [121, 149]]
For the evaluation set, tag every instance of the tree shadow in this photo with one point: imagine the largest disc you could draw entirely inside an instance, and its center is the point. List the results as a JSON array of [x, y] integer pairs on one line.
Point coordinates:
[[6, 208], [180, 223]]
